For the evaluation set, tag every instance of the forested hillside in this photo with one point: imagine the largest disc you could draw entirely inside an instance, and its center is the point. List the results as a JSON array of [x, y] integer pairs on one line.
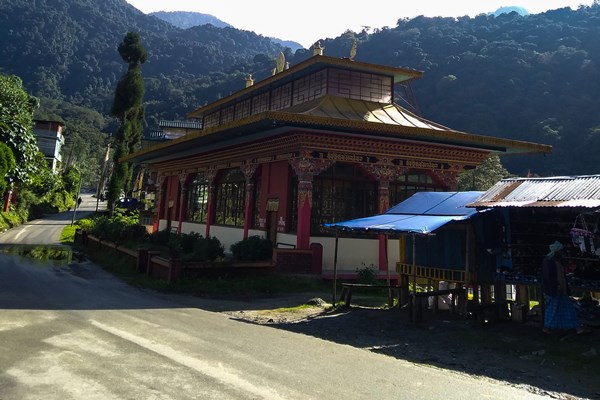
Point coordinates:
[[533, 77], [67, 49]]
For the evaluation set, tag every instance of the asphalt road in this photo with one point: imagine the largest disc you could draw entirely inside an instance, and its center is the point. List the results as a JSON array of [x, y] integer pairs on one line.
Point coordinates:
[[76, 332]]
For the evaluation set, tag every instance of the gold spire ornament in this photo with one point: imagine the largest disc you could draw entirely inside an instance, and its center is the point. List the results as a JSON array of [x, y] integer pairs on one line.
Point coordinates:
[[353, 50], [317, 49], [249, 80], [280, 62]]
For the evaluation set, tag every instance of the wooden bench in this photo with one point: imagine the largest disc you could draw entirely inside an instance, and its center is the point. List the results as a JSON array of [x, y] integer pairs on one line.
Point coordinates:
[[416, 302], [348, 288]]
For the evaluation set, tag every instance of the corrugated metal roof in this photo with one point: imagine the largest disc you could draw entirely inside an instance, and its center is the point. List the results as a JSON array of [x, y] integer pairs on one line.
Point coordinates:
[[560, 191]]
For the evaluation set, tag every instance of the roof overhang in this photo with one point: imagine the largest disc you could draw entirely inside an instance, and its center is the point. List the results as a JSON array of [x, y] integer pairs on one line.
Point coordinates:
[[274, 123]]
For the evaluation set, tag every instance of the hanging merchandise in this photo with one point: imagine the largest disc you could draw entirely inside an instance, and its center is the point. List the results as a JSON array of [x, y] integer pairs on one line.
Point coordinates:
[[582, 236]]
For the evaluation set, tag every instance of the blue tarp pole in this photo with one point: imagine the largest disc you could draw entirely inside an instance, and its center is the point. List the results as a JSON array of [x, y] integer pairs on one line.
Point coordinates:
[[389, 279], [414, 272], [335, 256]]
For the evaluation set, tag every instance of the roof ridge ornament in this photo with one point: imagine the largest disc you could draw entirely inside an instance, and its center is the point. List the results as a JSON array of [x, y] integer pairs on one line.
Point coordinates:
[[353, 50], [280, 62], [318, 49], [249, 80]]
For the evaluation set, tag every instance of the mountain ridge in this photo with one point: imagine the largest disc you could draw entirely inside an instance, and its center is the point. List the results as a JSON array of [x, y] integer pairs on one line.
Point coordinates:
[[533, 78]]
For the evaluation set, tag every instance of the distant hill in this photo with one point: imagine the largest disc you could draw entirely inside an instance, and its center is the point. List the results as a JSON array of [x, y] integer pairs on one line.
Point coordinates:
[[524, 77], [508, 10], [288, 43], [67, 49], [188, 19]]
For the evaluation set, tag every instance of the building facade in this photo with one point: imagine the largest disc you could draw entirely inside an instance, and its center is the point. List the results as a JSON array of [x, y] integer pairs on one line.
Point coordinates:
[[316, 143], [50, 140]]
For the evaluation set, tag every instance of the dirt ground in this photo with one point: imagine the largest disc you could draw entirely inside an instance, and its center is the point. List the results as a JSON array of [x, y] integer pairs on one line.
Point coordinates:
[[560, 366]]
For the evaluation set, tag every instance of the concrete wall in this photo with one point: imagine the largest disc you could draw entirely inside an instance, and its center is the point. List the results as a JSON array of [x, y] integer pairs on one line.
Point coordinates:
[[353, 253]]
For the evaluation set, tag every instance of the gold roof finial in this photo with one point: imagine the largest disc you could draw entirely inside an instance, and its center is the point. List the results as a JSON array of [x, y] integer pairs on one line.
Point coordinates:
[[353, 50], [249, 80], [317, 49], [280, 62]]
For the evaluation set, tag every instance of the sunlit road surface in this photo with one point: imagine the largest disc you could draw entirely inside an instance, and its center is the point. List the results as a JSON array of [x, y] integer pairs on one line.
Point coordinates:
[[47, 230], [76, 332]]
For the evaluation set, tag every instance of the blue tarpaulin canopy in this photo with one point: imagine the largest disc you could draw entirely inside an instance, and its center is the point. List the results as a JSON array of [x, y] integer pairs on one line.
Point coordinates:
[[422, 213]]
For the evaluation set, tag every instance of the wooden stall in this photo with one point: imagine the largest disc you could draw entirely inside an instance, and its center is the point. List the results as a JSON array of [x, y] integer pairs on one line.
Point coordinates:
[[535, 213]]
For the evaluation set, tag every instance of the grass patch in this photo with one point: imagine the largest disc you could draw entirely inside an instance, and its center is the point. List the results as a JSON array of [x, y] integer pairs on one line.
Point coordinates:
[[123, 266], [67, 236], [296, 308]]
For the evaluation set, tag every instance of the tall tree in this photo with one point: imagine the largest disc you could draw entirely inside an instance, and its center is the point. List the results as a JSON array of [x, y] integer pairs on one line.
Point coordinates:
[[7, 164], [484, 176], [127, 107], [16, 127]]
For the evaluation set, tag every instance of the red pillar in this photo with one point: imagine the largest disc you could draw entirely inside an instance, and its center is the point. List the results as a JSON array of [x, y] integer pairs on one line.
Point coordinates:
[[306, 168], [304, 206], [158, 202], [7, 200], [248, 169], [248, 208], [182, 206], [210, 214], [211, 175]]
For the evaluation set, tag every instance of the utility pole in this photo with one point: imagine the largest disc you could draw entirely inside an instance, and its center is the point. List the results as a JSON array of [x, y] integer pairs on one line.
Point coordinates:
[[100, 188], [76, 200]]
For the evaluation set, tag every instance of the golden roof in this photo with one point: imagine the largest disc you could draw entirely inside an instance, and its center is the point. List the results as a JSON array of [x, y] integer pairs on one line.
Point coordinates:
[[341, 116]]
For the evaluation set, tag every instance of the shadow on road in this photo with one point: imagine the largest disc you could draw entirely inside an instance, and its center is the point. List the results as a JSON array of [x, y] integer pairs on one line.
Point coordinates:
[[516, 353]]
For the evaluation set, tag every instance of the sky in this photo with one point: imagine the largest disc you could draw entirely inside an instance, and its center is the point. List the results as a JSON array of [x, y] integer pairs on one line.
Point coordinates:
[[307, 21]]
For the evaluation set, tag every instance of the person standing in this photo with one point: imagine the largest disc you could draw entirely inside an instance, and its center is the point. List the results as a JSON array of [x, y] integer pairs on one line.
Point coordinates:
[[560, 312]]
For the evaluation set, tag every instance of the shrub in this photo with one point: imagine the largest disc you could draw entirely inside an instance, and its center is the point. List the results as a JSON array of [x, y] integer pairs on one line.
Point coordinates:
[[254, 248], [120, 228], [367, 275], [195, 247], [160, 238]]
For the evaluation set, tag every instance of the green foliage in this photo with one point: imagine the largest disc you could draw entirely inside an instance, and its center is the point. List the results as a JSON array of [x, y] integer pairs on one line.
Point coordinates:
[[16, 112], [10, 220], [7, 164], [122, 228], [160, 238], [127, 106], [132, 51], [67, 235], [255, 248], [192, 246], [543, 70], [71, 179], [204, 249], [367, 274], [85, 143], [484, 176]]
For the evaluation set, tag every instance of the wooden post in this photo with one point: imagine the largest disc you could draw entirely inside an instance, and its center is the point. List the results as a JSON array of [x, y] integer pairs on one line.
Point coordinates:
[[414, 274], [335, 257]]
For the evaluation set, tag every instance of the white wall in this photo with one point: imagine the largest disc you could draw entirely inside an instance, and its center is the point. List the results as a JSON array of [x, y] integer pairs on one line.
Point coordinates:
[[352, 252]]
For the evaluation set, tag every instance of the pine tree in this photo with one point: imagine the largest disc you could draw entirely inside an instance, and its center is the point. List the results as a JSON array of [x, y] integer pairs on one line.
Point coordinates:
[[127, 107]]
